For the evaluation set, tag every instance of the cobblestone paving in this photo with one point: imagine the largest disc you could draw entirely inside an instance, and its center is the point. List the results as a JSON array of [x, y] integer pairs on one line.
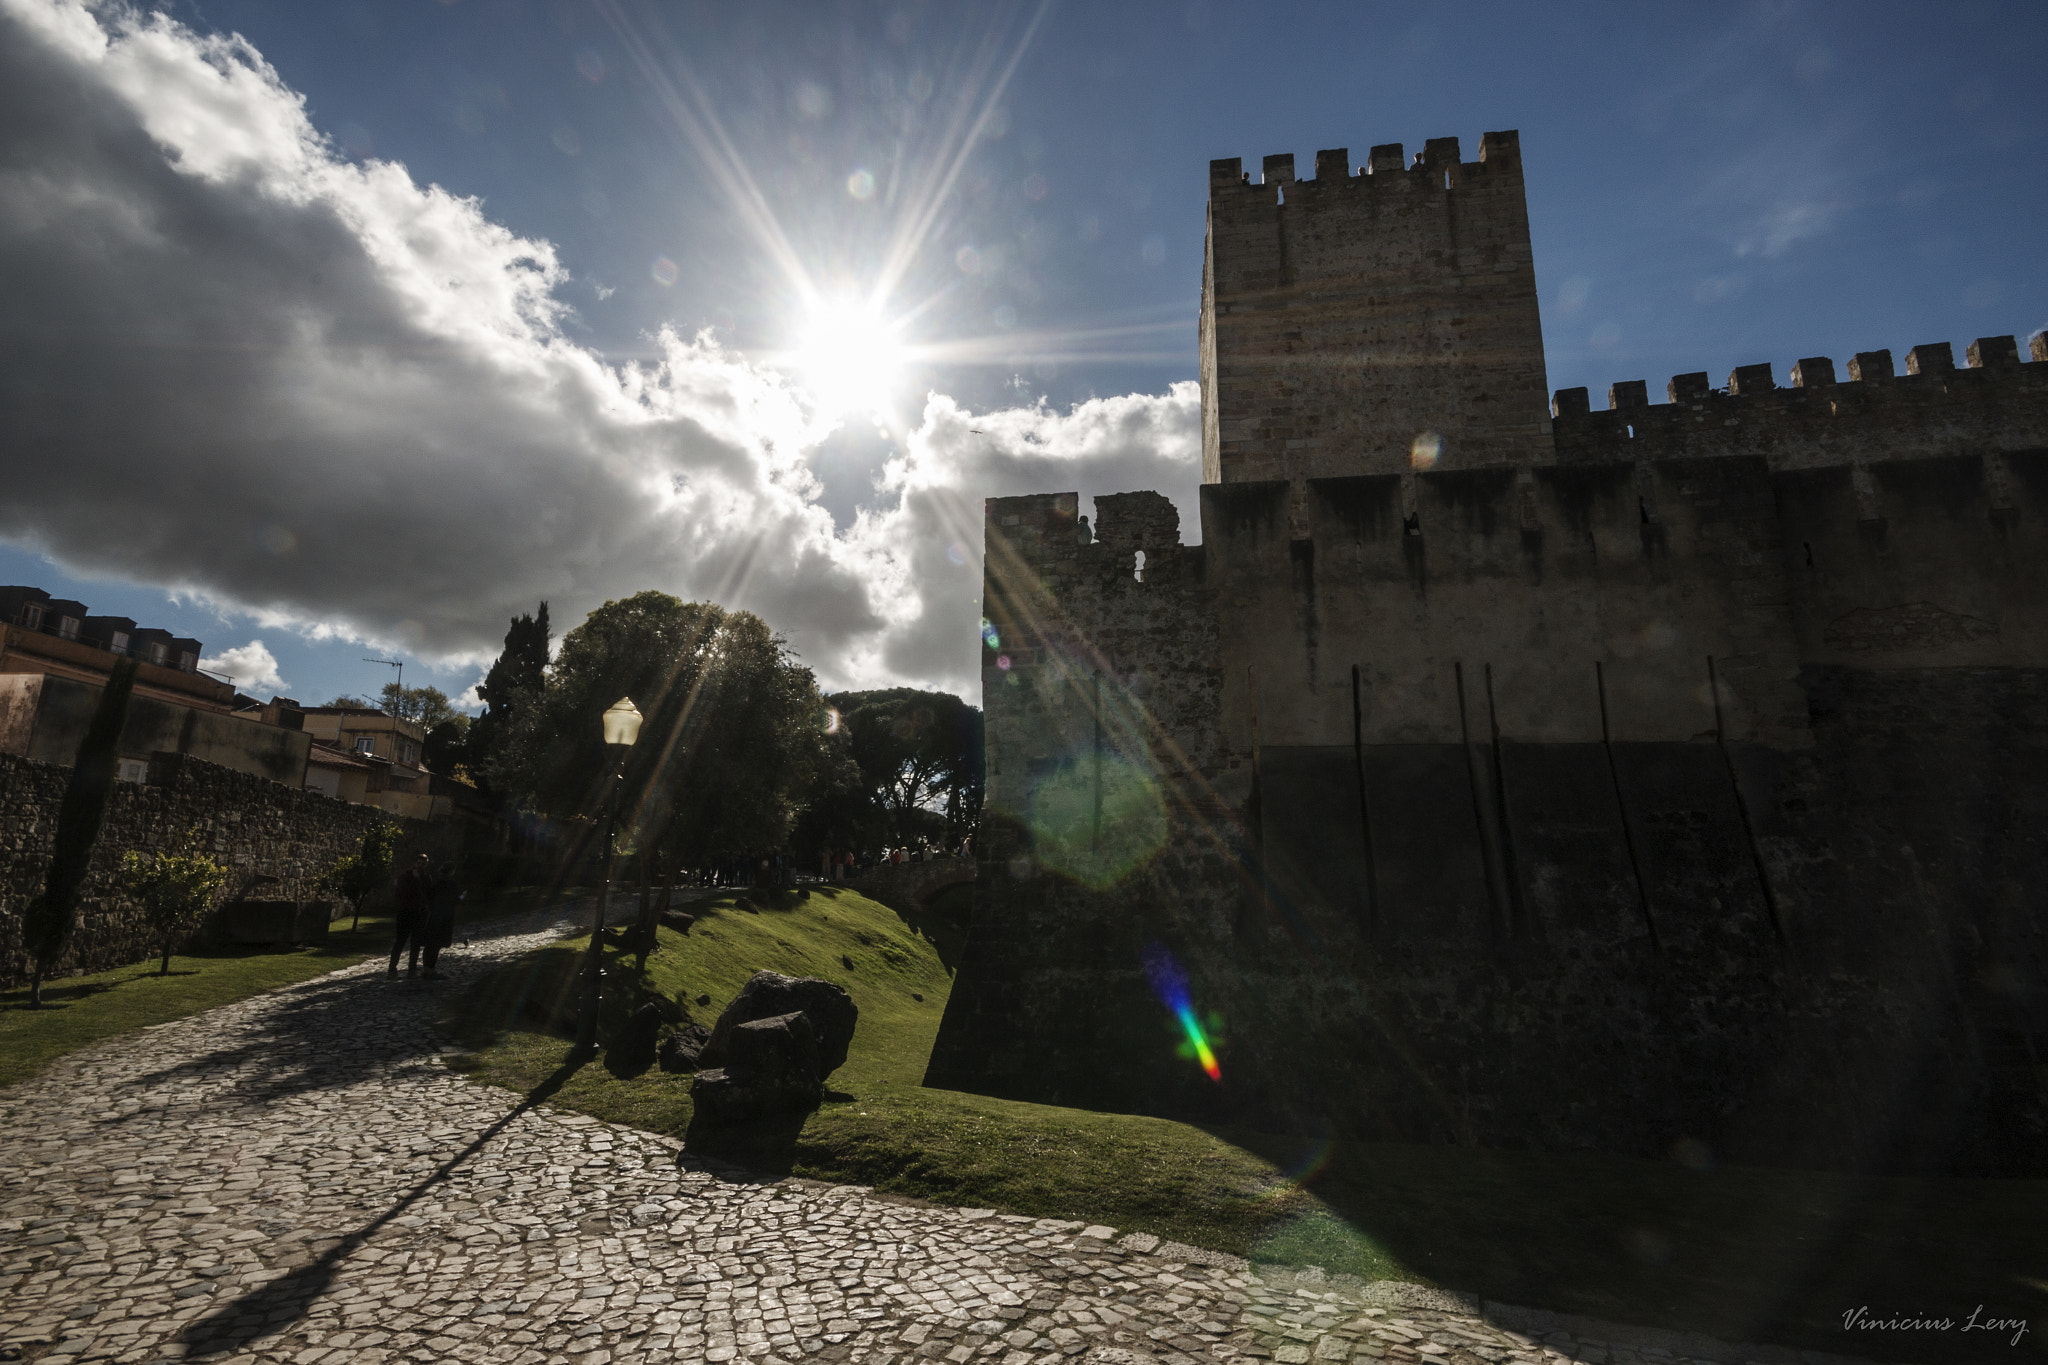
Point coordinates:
[[297, 1178]]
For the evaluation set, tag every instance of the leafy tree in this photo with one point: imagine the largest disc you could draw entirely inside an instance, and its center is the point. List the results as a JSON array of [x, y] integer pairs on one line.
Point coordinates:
[[48, 920], [519, 674], [356, 875], [918, 752], [176, 889], [731, 748], [423, 706], [360, 703]]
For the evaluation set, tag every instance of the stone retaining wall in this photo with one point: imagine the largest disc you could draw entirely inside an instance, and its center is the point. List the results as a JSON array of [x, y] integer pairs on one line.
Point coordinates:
[[257, 828]]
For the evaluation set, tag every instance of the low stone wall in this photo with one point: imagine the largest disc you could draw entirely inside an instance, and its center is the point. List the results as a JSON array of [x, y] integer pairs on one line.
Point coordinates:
[[257, 828], [906, 886]]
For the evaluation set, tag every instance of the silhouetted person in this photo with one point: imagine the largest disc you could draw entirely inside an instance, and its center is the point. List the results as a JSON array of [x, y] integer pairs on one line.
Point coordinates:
[[415, 885], [437, 930]]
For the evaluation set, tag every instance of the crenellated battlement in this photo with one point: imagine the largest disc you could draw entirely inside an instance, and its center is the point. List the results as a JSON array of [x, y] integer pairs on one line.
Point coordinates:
[[1438, 166], [1995, 404], [1346, 315]]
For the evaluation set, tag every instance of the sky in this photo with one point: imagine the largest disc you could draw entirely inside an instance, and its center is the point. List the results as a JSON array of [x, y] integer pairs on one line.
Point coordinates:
[[344, 332]]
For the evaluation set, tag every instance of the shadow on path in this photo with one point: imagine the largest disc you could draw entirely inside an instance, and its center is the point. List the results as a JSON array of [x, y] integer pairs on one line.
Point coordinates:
[[295, 1050], [271, 1308]]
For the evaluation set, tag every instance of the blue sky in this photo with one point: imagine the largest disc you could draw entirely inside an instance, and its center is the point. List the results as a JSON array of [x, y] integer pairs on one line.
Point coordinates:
[[1709, 186]]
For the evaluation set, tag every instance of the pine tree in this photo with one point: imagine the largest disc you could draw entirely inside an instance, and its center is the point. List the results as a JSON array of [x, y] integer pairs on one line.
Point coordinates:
[[520, 670]]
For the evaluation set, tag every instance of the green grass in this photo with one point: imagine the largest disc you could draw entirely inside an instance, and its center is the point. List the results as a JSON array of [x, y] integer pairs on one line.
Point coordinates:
[[79, 1011], [1741, 1253]]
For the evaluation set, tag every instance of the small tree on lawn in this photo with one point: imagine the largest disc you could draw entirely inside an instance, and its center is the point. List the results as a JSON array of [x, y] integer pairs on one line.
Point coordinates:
[[354, 877], [47, 921], [176, 889]]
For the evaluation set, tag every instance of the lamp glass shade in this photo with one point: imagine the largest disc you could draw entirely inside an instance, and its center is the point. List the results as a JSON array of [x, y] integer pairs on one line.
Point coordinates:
[[622, 722]]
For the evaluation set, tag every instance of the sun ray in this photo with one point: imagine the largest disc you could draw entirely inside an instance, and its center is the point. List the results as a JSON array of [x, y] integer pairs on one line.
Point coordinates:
[[700, 126], [926, 207]]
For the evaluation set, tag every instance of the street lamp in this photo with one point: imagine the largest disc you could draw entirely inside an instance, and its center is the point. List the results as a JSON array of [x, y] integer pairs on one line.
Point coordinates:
[[621, 728]]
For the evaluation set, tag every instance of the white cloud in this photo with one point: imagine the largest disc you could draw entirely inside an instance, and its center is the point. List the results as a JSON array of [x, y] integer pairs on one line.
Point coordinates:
[[329, 399], [252, 666]]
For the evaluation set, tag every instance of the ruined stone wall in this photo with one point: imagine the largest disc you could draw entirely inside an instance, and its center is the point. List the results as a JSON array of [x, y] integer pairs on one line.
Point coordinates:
[[257, 828], [1348, 316]]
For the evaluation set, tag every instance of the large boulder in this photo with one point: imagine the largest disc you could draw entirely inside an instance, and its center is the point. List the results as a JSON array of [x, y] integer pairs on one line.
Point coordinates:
[[771, 1071], [681, 1049], [831, 1010]]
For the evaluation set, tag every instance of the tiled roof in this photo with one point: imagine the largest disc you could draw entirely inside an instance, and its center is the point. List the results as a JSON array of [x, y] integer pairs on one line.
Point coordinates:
[[333, 756]]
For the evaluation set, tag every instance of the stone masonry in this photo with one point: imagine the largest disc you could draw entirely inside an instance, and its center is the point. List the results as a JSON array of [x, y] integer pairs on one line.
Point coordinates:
[[257, 828], [1664, 777]]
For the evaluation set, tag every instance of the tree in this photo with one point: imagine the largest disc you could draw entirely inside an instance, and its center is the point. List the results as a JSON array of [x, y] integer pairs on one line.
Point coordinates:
[[48, 920], [446, 749], [519, 674], [176, 889], [426, 707], [920, 755], [732, 745], [356, 875], [359, 703]]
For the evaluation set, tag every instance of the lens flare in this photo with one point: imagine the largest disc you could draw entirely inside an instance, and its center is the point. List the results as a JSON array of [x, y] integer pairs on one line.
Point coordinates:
[[989, 637], [1425, 450], [664, 271], [1170, 984]]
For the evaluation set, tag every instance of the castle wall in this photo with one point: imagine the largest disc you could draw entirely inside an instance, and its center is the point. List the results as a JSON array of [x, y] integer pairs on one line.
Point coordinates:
[[1670, 774], [1346, 316], [1995, 404], [1802, 932]]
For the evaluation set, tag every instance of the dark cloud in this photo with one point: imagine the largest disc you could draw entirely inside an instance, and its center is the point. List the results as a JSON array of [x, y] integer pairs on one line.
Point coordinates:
[[236, 363]]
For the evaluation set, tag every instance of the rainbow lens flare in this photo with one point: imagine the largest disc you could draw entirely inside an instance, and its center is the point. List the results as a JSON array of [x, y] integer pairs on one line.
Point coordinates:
[[1170, 984]]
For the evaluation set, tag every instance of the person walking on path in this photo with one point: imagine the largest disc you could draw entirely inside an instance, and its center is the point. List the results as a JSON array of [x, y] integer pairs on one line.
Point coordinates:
[[415, 885], [437, 929]]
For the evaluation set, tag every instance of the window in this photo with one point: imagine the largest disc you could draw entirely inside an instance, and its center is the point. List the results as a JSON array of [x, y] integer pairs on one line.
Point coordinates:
[[158, 652], [133, 770], [32, 616], [118, 642], [366, 744], [409, 753], [67, 626], [189, 662]]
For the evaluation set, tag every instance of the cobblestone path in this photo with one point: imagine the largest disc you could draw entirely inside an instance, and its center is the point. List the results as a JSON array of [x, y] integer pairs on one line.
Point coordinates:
[[297, 1178]]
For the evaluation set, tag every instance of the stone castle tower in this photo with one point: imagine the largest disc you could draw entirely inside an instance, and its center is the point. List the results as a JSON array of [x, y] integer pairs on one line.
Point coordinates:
[[1354, 322], [1668, 773]]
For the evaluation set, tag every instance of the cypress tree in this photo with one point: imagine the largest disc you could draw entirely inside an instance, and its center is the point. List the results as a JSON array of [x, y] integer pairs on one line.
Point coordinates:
[[51, 916]]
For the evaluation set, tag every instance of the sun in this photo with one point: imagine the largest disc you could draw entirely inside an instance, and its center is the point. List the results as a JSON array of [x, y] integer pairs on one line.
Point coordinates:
[[851, 358]]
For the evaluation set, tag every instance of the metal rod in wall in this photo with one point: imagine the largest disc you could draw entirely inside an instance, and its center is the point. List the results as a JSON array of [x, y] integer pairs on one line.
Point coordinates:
[[1756, 853], [1372, 872], [1487, 853], [1628, 833], [1517, 918]]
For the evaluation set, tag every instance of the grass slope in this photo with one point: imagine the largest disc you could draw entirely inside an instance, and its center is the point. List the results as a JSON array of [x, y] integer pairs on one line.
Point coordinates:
[[1745, 1254]]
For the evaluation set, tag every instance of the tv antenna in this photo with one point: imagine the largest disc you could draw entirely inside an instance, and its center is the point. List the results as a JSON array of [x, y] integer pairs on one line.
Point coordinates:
[[398, 664]]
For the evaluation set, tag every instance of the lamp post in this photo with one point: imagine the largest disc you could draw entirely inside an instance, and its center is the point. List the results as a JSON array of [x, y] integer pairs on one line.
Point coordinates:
[[621, 728]]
